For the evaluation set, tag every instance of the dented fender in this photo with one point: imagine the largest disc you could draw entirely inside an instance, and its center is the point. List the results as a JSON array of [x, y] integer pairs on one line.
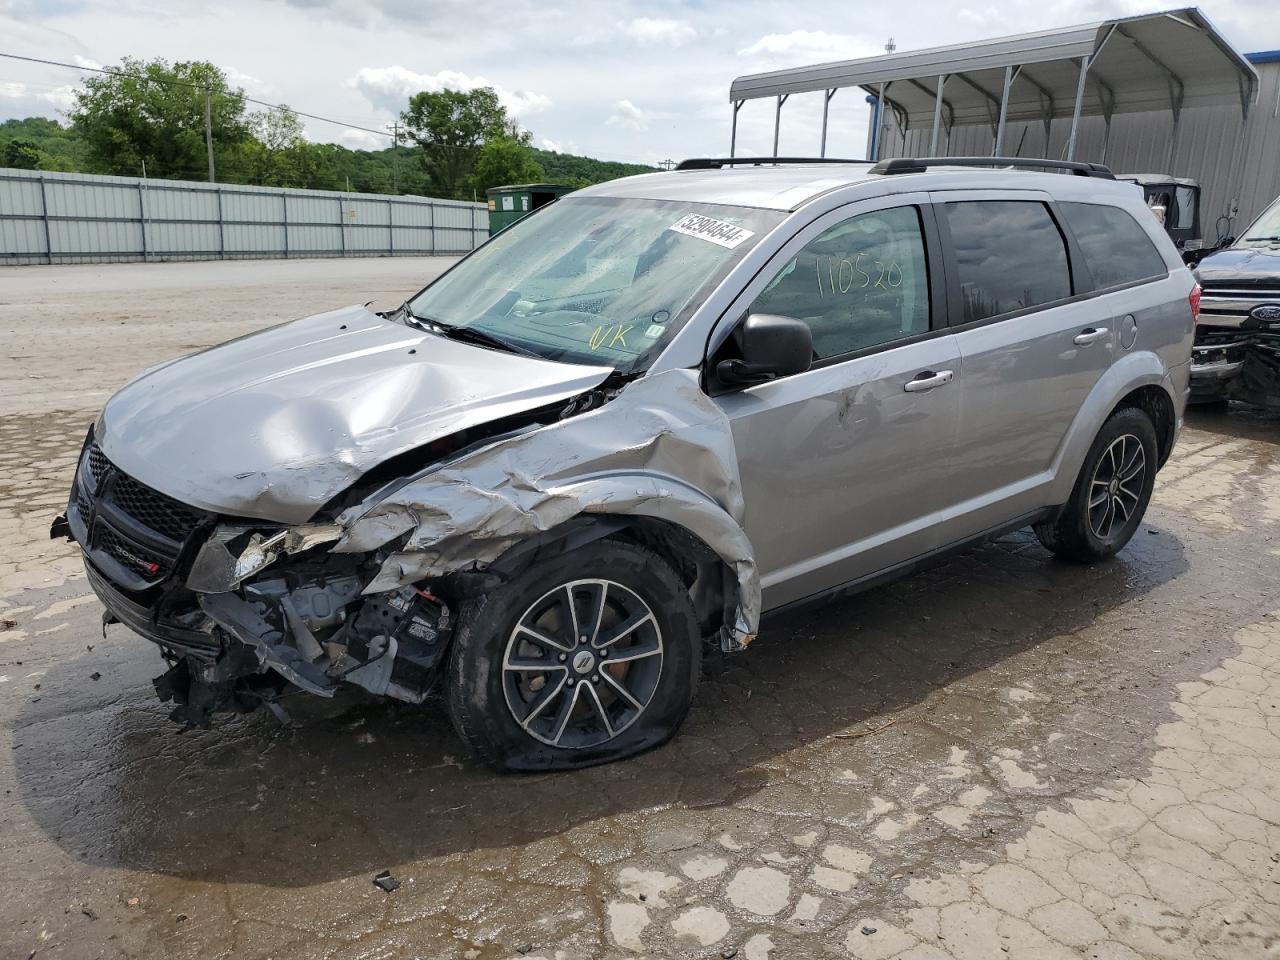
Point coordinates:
[[661, 448]]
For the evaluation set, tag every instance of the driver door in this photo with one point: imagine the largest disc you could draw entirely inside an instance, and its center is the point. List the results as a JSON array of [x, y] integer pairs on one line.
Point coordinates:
[[843, 466]]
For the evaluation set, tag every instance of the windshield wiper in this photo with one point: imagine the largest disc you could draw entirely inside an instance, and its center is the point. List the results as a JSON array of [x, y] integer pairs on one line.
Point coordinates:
[[466, 334], [1272, 239]]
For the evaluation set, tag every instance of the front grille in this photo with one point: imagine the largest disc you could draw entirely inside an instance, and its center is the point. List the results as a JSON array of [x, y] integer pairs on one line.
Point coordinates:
[[1230, 303], [138, 559], [133, 533], [98, 463], [153, 509]]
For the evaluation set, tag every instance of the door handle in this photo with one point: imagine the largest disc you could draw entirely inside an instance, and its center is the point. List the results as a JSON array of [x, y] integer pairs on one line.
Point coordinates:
[[929, 381], [1091, 335]]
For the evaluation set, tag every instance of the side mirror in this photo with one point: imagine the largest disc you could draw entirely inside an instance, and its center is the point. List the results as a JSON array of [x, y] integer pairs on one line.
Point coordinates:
[[772, 347]]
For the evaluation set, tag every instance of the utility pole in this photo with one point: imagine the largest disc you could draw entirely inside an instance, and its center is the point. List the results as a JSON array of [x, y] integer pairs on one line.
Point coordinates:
[[208, 129], [395, 157]]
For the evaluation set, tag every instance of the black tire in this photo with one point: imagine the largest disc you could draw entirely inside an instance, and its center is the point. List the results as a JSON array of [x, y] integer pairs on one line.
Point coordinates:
[[484, 695], [1080, 532]]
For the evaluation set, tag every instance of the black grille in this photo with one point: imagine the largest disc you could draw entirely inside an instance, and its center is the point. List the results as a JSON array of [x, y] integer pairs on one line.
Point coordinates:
[[141, 531], [98, 463], [131, 556], [153, 509]]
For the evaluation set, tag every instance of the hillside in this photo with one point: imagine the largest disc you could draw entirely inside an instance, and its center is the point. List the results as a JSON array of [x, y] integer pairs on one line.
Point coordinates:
[[37, 143]]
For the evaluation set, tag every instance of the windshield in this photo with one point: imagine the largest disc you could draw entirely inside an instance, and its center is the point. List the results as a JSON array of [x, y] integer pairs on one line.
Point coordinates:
[[1267, 226], [593, 279]]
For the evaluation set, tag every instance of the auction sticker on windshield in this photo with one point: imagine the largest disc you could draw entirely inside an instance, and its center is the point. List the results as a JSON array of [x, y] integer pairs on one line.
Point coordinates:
[[709, 228]]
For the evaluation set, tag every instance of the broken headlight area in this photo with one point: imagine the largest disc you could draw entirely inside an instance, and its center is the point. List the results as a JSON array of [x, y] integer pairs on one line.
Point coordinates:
[[281, 619]]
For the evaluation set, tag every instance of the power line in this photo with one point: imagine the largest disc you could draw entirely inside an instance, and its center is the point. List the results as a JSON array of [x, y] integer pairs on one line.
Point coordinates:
[[193, 86]]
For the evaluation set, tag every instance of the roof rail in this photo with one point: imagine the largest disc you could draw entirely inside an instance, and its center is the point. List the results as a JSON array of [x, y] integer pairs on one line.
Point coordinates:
[[715, 163], [920, 164]]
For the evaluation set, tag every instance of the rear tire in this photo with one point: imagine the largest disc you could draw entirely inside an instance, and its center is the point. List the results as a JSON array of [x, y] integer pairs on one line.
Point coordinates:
[[1111, 492], [581, 659]]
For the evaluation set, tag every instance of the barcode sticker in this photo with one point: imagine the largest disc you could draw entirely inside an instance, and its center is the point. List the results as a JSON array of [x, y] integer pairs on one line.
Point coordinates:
[[709, 228]]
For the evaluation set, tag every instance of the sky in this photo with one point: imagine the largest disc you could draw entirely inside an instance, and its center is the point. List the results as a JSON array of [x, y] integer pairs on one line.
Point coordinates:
[[614, 79]]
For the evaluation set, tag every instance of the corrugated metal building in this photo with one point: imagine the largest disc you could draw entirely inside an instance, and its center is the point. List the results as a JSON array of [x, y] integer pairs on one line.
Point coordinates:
[[80, 218], [1235, 161], [1156, 93]]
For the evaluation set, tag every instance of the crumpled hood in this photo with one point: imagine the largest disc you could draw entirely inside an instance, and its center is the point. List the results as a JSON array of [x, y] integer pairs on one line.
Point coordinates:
[[1241, 264], [273, 425]]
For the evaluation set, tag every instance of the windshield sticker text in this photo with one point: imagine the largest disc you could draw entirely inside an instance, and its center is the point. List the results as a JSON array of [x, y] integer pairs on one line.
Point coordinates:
[[709, 228], [859, 272], [610, 336]]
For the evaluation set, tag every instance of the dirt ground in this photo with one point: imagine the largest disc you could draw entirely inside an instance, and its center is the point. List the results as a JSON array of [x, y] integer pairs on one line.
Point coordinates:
[[1005, 756]]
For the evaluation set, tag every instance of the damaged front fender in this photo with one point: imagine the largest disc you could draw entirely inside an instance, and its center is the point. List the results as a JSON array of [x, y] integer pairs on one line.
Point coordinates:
[[661, 448]]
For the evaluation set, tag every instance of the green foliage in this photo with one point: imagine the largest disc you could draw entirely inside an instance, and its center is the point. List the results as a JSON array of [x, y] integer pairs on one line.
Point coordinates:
[[22, 154], [504, 161], [58, 147], [463, 141], [141, 115], [451, 127], [584, 171]]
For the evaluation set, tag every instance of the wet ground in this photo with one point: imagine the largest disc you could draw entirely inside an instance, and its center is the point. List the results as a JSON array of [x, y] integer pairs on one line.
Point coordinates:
[[1005, 756]]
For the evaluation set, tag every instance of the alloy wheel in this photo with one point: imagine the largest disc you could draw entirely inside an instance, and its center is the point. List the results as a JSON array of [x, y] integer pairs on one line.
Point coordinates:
[[582, 663], [1116, 486]]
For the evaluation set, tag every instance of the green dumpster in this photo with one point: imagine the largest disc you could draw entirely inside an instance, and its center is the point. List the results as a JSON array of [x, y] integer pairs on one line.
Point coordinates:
[[509, 204]]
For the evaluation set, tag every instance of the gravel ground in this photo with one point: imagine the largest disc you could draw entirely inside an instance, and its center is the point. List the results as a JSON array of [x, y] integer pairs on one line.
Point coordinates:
[[1005, 756]]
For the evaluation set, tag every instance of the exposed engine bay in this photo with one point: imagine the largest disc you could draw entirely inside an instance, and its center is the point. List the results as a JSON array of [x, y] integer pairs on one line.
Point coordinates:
[[368, 591]]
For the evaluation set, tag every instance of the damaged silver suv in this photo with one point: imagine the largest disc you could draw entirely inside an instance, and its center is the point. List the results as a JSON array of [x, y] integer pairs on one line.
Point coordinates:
[[631, 424]]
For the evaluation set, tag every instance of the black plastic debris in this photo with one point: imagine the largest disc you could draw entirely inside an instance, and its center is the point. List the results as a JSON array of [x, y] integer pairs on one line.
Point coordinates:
[[95, 675], [386, 881], [868, 931]]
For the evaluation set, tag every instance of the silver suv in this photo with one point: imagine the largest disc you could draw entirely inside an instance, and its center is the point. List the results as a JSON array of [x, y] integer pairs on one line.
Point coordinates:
[[631, 424]]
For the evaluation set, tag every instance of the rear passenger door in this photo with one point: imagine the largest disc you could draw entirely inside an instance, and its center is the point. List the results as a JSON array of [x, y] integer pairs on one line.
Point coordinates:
[[1031, 350]]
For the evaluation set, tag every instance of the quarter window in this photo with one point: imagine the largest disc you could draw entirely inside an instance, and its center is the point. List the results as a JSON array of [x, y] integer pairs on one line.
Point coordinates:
[[1010, 256], [1115, 248], [859, 284]]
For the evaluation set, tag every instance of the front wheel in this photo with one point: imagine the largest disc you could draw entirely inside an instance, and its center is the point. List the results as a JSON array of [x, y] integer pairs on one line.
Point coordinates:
[[1111, 492], [585, 658]]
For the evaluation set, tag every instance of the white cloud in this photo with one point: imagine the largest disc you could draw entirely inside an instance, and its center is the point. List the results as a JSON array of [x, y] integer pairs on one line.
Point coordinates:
[[389, 88], [650, 32], [808, 46], [36, 99], [551, 145], [363, 140], [626, 114]]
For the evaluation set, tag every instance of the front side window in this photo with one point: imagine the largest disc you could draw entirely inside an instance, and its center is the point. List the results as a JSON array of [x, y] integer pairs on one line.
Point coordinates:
[[595, 280], [859, 284], [1116, 250], [1010, 256]]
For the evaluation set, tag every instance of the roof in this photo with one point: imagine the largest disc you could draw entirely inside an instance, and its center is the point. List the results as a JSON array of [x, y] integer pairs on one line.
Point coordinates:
[[771, 187], [791, 186], [1137, 63]]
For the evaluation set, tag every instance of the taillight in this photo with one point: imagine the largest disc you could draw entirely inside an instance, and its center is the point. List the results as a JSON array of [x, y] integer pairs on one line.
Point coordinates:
[[1193, 298]]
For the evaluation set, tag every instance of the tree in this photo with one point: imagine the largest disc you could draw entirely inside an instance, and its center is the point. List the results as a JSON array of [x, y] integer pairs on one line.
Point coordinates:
[[277, 155], [22, 155], [152, 112], [504, 161], [452, 127]]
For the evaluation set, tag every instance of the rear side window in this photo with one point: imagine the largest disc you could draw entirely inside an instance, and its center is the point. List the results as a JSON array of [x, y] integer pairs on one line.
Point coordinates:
[[1115, 248], [1010, 255]]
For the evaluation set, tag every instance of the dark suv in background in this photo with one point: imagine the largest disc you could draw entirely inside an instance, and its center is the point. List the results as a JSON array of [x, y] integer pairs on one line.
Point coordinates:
[[1237, 347]]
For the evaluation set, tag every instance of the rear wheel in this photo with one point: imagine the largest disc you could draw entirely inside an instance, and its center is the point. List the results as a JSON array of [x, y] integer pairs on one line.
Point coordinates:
[[1111, 492], [586, 658]]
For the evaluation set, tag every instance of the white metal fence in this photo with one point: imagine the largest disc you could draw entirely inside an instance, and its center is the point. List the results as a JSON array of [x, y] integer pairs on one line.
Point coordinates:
[[80, 218]]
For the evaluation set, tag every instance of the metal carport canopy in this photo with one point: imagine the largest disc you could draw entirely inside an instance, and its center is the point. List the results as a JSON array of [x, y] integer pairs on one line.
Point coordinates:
[[1159, 61]]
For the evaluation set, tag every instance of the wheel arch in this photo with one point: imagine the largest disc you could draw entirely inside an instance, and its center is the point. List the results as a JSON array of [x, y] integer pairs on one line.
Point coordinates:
[[1136, 380]]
